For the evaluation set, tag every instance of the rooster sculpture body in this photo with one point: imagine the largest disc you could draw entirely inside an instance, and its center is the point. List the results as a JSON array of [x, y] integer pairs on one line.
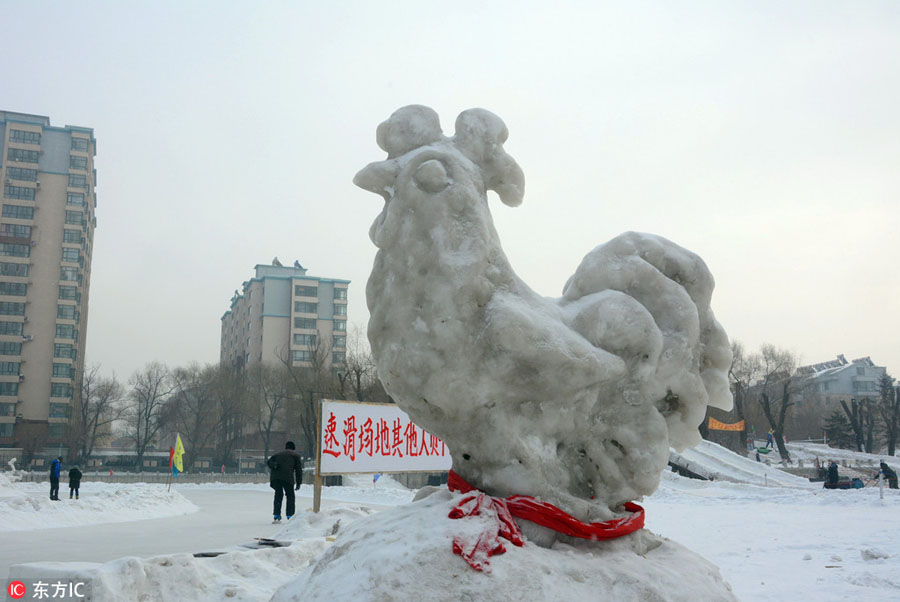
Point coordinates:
[[574, 400]]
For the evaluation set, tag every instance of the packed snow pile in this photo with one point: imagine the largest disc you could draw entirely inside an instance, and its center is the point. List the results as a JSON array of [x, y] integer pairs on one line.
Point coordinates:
[[27, 506], [718, 463], [405, 554]]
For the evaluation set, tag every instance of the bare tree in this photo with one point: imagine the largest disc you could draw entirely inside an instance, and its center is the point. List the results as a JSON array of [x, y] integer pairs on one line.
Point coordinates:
[[359, 365], [774, 389], [97, 406], [889, 408], [745, 369], [150, 388], [861, 414], [195, 408], [310, 384], [230, 387], [269, 389]]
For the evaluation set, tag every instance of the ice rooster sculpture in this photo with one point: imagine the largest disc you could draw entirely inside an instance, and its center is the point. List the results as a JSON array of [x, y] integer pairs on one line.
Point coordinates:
[[574, 400]]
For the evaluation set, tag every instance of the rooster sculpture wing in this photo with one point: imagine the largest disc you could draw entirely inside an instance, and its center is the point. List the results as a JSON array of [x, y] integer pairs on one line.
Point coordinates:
[[573, 400]]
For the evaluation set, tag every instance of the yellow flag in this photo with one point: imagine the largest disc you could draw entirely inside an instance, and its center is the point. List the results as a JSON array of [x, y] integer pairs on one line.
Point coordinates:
[[715, 425], [179, 451]]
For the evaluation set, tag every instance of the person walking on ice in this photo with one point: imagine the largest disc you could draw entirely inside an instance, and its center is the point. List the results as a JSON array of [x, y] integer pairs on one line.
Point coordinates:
[[74, 481], [285, 465]]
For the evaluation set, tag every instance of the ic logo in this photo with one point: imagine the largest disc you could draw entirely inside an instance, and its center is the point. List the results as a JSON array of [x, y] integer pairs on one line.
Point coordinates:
[[16, 590]]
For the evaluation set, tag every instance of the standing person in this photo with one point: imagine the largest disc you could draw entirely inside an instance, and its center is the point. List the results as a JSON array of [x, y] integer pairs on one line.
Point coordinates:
[[54, 478], [832, 475], [74, 481], [285, 465], [770, 439], [889, 474]]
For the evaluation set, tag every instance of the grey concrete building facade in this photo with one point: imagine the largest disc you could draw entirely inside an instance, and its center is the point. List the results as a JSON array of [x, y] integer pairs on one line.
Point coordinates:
[[283, 314], [46, 239]]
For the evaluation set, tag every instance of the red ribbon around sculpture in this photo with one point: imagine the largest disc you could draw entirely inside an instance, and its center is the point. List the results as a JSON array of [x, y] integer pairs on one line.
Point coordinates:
[[528, 508]]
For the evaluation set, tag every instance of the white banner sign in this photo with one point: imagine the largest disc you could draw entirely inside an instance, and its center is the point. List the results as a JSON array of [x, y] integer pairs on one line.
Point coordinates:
[[375, 437]]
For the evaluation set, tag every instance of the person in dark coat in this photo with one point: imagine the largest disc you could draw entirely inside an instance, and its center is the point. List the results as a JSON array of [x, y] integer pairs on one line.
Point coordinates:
[[889, 474], [74, 482], [832, 475], [285, 465], [54, 478]]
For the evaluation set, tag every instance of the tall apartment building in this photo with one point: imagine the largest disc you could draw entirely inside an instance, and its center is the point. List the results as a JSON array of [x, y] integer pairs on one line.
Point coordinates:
[[46, 237], [283, 313]]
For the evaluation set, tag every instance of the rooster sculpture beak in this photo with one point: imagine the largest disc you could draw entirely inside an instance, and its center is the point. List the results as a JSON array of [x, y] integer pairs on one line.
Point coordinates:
[[378, 177]]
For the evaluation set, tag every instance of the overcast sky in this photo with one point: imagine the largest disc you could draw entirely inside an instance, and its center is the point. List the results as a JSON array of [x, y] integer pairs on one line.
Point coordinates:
[[764, 136]]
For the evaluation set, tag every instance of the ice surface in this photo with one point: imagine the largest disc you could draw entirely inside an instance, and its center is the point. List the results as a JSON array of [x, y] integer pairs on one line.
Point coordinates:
[[573, 400]]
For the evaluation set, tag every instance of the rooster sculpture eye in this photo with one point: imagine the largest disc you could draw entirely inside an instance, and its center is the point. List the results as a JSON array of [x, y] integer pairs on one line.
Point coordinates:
[[431, 176]]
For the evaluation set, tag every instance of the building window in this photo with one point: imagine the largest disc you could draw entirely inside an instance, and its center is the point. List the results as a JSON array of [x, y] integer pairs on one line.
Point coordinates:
[[340, 309], [59, 410], [22, 173], [9, 389], [74, 218], [77, 181], [24, 137], [72, 236], [71, 255], [68, 274], [305, 339], [18, 192], [75, 198], [68, 292], [25, 156], [17, 289], [305, 291], [6, 429], [305, 323], [302, 356], [18, 211], [10, 328], [79, 144], [340, 340], [9, 348], [13, 269], [76, 162], [66, 312], [16, 231], [338, 357], [62, 370], [65, 331], [12, 250], [860, 371], [340, 293], [7, 409], [60, 390], [340, 325], [8, 308], [64, 350], [303, 307], [10, 368]]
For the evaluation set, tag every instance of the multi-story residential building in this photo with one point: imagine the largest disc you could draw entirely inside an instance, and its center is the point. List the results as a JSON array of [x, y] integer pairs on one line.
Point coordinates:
[[831, 381], [283, 315], [46, 237]]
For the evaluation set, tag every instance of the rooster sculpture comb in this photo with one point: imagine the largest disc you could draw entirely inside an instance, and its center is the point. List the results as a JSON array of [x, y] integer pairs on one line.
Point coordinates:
[[574, 400]]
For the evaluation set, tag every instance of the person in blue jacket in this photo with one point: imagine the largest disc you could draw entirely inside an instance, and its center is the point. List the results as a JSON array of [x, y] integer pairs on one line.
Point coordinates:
[[54, 478]]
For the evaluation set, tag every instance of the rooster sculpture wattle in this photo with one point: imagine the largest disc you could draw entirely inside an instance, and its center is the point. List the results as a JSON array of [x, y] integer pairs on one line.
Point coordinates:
[[574, 400]]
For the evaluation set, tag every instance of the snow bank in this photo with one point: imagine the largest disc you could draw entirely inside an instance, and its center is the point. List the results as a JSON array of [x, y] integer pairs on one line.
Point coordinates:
[[27, 506]]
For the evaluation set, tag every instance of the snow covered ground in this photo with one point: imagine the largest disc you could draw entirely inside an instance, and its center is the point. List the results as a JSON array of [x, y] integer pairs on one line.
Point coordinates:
[[792, 542]]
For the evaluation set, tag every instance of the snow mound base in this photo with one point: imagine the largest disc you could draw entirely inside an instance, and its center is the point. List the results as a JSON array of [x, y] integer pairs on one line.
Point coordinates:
[[406, 554]]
